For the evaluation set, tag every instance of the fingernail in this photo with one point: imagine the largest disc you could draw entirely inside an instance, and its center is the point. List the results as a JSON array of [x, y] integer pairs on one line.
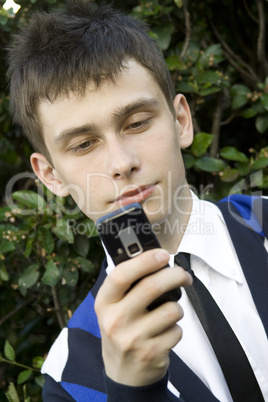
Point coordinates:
[[162, 256]]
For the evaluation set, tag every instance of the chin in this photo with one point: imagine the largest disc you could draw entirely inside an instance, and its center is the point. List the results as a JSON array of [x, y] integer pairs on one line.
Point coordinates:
[[156, 218]]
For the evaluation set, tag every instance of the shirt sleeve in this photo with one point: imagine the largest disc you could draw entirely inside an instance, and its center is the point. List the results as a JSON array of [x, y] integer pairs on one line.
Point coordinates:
[[157, 392], [53, 391]]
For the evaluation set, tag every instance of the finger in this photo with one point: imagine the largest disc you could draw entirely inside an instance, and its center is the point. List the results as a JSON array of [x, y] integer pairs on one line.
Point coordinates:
[[154, 285], [170, 337], [162, 318], [164, 342], [128, 272]]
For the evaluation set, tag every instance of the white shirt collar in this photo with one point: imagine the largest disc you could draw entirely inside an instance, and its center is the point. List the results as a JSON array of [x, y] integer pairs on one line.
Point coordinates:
[[206, 237], [110, 263]]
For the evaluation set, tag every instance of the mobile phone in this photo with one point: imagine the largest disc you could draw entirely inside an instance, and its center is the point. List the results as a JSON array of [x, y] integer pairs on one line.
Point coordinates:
[[126, 233]]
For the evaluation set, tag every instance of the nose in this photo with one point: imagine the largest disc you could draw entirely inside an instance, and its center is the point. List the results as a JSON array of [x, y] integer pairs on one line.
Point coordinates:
[[122, 160]]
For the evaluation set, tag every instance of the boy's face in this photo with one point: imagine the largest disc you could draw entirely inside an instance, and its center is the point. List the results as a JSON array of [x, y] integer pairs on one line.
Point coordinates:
[[118, 144]]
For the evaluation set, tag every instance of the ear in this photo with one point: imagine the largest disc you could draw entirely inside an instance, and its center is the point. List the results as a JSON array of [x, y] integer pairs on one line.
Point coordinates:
[[48, 175], [184, 121]]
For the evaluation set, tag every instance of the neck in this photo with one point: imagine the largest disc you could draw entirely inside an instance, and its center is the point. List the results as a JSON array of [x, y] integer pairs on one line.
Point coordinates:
[[171, 231]]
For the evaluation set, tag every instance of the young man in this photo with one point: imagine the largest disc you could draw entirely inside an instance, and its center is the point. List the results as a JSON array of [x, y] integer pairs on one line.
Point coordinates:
[[94, 96]]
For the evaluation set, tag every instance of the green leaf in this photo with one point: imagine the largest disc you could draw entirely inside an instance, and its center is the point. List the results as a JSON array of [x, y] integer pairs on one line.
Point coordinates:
[[24, 376], [29, 198], [233, 154], [6, 246], [40, 380], [85, 264], [63, 249], [211, 77], [163, 32], [63, 231], [229, 175], [178, 3], [174, 63], [239, 101], [243, 168], [261, 123], [38, 361], [51, 275], [11, 394], [29, 246], [240, 95], [9, 351], [201, 143], [3, 19], [264, 152], [91, 230], [29, 277], [239, 89], [81, 245], [184, 87], [213, 54], [3, 273], [249, 113], [46, 239], [189, 160], [208, 91], [3, 212], [71, 276], [209, 164], [191, 55], [264, 101], [260, 163]]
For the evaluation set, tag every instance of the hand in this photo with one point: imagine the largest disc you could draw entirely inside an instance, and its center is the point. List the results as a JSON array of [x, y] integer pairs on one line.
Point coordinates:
[[136, 342]]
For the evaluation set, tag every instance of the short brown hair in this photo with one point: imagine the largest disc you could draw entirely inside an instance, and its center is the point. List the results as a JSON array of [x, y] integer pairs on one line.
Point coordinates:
[[61, 51]]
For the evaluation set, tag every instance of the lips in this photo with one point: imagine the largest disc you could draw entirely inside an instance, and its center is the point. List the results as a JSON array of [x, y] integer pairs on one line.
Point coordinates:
[[138, 194]]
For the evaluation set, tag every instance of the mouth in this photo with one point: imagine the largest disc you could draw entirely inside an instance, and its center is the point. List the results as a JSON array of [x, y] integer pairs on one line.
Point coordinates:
[[138, 194]]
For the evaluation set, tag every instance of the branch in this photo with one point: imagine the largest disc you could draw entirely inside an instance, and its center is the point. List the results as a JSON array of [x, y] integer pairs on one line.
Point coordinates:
[[57, 308], [261, 37], [252, 16], [236, 61], [3, 360], [188, 29], [237, 33], [222, 103], [11, 313], [230, 118], [252, 79]]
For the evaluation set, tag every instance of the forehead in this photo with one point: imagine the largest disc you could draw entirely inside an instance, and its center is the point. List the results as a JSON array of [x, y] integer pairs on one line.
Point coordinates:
[[133, 82], [131, 71]]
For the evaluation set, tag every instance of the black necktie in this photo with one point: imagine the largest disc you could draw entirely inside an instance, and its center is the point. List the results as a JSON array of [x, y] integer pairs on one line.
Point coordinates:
[[235, 366]]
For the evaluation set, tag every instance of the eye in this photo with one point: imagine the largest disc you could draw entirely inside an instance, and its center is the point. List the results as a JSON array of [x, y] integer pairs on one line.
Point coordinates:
[[138, 125], [83, 146]]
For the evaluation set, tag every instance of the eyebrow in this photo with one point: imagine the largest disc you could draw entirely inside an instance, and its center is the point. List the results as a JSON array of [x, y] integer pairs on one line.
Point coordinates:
[[120, 113], [132, 107], [72, 132]]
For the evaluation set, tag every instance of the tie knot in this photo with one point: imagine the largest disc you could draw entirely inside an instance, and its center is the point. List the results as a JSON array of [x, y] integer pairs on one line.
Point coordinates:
[[183, 260]]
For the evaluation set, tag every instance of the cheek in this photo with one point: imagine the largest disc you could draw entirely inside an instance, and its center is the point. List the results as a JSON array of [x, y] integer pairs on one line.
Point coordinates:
[[165, 147], [94, 194]]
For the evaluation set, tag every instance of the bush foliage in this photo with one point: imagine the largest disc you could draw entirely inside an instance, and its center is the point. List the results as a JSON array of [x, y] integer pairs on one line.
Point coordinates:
[[49, 251]]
